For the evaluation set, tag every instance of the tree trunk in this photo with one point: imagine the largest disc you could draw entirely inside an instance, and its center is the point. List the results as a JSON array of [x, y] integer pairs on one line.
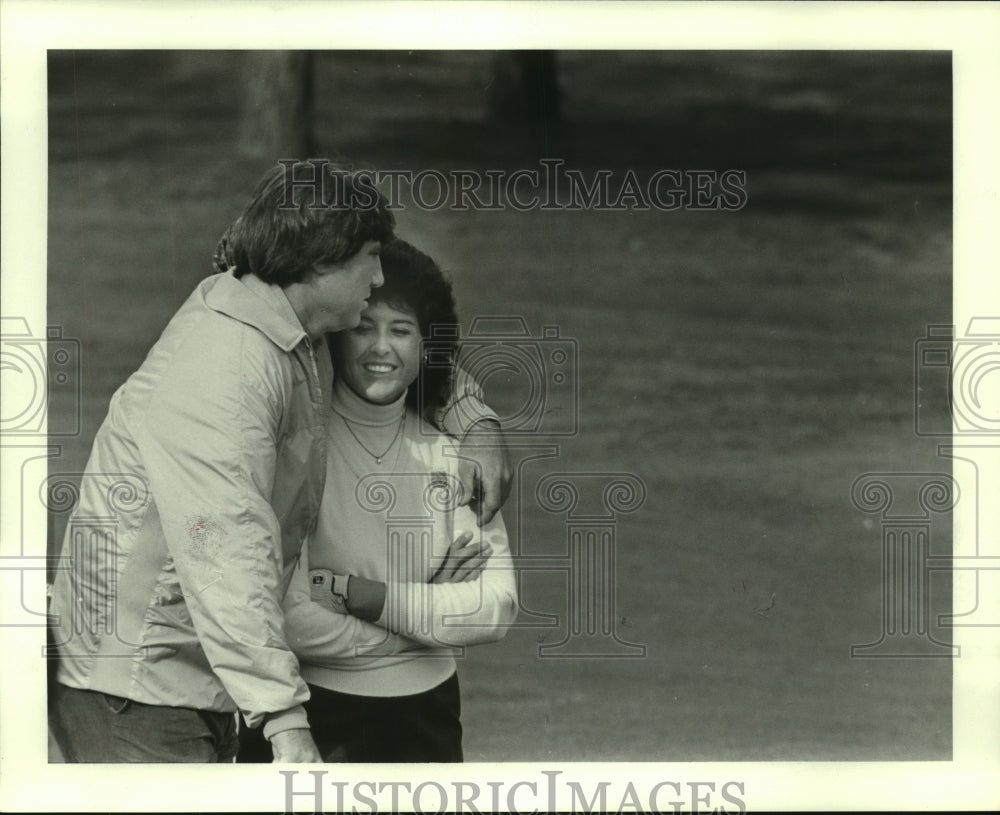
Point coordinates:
[[277, 115], [524, 87]]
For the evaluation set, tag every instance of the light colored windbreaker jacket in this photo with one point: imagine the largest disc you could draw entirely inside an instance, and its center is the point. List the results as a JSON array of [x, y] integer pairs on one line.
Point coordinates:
[[203, 483]]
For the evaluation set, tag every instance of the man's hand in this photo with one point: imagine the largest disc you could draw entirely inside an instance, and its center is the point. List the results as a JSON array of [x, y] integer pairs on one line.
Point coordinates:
[[464, 561], [295, 747], [485, 471]]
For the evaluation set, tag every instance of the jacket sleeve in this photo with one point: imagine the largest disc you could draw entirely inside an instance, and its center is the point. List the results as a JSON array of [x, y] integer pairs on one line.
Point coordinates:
[[455, 614], [325, 638], [465, 408], [208, 440]]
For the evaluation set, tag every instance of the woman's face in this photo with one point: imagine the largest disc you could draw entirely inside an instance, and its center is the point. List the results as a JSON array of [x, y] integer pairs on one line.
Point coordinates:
[[380, 358]]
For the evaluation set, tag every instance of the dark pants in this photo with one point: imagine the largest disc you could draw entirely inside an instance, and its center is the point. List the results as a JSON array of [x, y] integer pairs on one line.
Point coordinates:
[[98, 728], [374, 729]]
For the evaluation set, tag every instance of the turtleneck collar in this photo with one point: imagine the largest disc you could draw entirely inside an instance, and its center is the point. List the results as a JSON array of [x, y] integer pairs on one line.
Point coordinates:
[[359, 411]]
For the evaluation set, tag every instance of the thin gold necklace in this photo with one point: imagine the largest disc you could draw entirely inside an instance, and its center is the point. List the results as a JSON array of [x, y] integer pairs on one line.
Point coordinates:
[[378, 458]]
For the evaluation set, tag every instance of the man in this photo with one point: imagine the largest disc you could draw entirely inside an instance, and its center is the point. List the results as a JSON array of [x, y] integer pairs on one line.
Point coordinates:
[[167, 615]]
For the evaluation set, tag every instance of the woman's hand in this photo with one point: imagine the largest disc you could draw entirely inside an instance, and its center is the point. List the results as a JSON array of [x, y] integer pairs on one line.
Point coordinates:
[[464, 561]]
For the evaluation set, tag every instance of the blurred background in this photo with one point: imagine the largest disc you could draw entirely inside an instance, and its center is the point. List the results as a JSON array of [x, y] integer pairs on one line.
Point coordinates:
[[740, 368]]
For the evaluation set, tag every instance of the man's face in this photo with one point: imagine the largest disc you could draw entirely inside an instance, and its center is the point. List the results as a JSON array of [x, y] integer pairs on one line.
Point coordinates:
[[342, 289], [380, 357]]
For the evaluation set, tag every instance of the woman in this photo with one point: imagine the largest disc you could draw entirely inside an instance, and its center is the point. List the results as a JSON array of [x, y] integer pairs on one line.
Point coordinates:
[[399, 576]]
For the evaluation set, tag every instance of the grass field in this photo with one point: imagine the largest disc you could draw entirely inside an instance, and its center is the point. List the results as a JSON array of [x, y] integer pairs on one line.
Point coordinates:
[[746, 366]]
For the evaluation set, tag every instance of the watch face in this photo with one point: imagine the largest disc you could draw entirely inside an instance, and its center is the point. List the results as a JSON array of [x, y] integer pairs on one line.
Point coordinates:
[[320, 583]]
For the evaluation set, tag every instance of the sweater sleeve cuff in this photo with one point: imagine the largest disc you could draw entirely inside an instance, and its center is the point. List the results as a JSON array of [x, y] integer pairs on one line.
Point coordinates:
[[460, 416], [292, 719]]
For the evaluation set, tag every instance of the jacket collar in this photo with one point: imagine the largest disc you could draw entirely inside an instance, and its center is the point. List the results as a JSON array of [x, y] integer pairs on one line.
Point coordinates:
[[261, 305]]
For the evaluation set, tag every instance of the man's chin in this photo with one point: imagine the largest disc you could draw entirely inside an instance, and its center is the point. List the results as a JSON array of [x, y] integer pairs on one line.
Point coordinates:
[[347, 322]]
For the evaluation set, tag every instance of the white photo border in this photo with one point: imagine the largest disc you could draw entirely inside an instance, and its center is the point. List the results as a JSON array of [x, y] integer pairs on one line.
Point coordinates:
[[969, 31]]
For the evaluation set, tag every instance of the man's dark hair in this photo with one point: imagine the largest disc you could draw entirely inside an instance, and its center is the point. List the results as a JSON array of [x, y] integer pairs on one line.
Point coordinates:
[[303, 213]]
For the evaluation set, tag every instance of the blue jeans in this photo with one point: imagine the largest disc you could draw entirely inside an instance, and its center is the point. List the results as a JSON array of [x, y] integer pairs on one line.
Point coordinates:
[[98, 728]]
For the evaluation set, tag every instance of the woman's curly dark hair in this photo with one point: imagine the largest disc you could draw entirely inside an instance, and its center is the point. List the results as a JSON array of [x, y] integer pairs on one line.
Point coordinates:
[[414, 281]]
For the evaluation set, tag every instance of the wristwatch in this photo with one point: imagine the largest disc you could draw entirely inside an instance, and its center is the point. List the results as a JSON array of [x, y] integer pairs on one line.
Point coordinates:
[[329, 589]]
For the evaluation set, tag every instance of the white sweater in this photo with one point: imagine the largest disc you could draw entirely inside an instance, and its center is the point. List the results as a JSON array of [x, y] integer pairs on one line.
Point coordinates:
[[391, 522]]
